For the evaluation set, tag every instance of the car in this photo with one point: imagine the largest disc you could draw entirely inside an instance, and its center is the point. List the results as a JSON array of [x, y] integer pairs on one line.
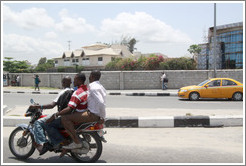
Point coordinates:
[[213, 88]]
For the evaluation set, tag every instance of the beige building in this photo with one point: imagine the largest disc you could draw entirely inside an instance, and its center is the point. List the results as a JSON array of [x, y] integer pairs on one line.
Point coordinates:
[[93, 56]]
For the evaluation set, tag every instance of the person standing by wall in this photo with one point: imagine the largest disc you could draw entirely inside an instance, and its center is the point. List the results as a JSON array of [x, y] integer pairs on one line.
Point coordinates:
[[164, 80], [37, 81], [18, 80]]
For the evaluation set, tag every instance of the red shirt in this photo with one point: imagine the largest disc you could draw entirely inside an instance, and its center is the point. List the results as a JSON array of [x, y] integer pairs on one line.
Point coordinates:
[[78, 100]]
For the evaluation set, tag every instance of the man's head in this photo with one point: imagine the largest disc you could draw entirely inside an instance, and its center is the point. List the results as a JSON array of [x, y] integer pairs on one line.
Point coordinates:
[[79, 79], [95, 76], [66, 82]]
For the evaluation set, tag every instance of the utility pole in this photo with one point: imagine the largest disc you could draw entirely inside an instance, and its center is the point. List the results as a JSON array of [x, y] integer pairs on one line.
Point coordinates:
[[69, 44], [214, 51]]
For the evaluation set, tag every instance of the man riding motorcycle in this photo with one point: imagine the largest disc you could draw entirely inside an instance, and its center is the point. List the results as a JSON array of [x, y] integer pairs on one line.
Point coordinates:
[[40, 126]]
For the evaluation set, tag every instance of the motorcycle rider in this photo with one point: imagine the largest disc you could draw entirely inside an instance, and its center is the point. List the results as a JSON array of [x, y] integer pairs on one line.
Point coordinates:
[[40, 126], [79, 102]]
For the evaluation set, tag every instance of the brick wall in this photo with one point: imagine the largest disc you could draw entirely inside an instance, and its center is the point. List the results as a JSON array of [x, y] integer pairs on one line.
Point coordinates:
[[120, 80]]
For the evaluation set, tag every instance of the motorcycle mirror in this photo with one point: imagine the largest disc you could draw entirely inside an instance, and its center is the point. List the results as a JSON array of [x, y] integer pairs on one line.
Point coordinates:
[[32, 101]]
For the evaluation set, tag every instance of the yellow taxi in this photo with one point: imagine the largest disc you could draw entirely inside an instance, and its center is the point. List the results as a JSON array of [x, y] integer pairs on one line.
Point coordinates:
[[213, 88]]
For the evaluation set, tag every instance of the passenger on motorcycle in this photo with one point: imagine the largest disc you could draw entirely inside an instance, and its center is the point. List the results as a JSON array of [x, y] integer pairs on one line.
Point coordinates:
[[78, 102], [40, 127]]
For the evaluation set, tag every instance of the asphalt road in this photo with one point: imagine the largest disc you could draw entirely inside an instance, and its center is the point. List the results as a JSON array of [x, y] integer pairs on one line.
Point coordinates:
[[150, 145], [13, 99], [156, 145]]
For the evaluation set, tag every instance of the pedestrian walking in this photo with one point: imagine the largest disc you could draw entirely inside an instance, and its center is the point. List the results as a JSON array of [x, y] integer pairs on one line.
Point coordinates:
[[164, 80], [37, 81]]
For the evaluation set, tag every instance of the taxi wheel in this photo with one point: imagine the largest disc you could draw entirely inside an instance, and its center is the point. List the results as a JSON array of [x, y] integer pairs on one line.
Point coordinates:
[[194, 96], [238, 96]]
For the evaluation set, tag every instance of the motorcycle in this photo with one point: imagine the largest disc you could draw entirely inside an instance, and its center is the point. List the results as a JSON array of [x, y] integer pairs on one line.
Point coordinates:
[[22, 143]]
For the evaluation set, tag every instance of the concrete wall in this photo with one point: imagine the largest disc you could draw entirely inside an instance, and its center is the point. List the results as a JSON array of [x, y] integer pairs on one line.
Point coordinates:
[[120, 80]]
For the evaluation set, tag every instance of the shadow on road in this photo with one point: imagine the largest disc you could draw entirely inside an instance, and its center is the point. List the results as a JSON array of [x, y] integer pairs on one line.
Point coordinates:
[[218, 100], [54, 159]]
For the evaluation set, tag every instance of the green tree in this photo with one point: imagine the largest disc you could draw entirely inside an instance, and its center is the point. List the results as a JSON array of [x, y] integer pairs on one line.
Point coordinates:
[[14, 66], [129, 42], [131, 45], [195, 50], [44, 64], [8, 64], [42, 60]]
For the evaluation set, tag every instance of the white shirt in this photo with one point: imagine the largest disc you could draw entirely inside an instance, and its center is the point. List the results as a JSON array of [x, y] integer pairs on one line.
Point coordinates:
[[163, 76], [18, 79], [97, 99], [61, 93]]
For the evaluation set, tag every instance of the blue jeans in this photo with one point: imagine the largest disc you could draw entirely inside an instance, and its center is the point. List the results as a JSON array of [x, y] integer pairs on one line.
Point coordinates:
[[52, 129], [38, 129], [54, 135], [164, 86]]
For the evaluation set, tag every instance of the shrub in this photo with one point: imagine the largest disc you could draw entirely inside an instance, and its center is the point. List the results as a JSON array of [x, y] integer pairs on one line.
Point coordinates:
[[153, 62]]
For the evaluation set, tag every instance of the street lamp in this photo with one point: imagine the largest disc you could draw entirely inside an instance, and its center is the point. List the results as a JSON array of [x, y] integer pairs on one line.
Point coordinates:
[[214, 51]]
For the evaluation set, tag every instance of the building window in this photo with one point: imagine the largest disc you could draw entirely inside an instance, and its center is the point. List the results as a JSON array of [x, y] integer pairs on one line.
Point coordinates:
[[86, 61], [100, 61], [75, 60], [66, 62], [231, 50]]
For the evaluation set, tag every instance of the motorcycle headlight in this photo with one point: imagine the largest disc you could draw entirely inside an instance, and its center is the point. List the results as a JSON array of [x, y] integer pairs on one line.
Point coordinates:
[[183, 90]]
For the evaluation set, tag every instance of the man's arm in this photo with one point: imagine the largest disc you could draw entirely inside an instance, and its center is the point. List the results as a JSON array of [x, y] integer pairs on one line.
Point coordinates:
[[62, 112], [46, 106]]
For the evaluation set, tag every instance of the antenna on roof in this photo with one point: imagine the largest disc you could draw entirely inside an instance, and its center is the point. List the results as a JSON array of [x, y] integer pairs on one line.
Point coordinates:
[[69, 44]]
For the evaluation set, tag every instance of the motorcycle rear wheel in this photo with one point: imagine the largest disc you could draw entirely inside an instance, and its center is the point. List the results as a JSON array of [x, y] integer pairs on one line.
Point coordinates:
[[95, 149], [21, 147]]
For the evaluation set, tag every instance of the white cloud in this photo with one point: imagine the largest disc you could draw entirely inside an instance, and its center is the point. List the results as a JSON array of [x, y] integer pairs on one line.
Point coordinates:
[[50, 35], [143, 27], [73, 25], [29, 19], [27, 48]]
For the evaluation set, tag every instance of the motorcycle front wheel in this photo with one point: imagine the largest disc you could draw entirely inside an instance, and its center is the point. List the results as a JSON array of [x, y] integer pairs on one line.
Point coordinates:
[[21, 146], [94, 150]]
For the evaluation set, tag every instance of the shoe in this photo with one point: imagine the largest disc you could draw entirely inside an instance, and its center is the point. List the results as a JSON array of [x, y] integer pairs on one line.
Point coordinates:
[[39, 148], [73, 146], [47, 146]]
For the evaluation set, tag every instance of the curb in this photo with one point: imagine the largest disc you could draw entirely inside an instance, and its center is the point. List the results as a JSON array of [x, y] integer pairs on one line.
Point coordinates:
[[5, 109], [152, 94], [32, 92], [175, 121], [153, 122], [109, 93]]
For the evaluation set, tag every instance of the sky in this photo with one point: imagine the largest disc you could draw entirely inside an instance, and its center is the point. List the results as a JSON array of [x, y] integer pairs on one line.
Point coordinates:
[[35, 29]]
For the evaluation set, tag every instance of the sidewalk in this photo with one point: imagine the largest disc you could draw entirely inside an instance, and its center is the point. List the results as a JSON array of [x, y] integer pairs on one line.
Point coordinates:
[[152, 92], [128, 117]]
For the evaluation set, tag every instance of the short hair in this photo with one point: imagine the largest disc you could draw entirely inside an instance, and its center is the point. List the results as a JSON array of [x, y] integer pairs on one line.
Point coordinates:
[[96, 74], [81, 77]]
